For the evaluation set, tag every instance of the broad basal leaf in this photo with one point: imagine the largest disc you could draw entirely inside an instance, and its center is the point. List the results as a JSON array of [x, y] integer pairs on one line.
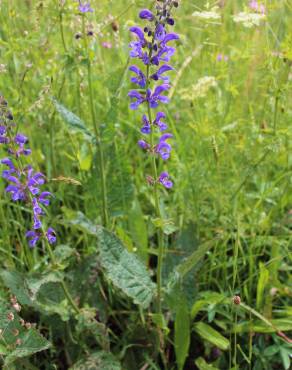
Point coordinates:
[[124, 269], [98, 361], [19, 339]]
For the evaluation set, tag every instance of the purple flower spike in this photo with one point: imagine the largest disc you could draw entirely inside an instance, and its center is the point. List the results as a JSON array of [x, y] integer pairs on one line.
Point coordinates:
[[24, 183], [51, 235], [85, 8], [152, 47], [164, 180], [146, 14]]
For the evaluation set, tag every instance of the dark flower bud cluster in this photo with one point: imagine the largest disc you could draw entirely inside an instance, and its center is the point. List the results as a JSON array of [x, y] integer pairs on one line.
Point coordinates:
[[24, 183], [151, 47]]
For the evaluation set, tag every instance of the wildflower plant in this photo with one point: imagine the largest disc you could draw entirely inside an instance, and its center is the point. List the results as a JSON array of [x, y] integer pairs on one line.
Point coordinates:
[[24, 182], [152, 48], [25, 185]]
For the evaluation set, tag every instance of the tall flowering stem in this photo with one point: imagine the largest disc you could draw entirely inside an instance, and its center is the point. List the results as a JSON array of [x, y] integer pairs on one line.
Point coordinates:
[[151, 47], [84, 7], [24, 185]]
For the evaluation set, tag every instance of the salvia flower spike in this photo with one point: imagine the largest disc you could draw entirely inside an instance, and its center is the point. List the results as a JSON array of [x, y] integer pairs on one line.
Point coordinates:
[[151, 47], [24, 183]]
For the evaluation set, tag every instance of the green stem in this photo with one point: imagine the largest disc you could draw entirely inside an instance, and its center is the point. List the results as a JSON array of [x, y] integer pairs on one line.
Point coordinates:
[[62, 28], [157, 205], [63, 284], [97, 132]]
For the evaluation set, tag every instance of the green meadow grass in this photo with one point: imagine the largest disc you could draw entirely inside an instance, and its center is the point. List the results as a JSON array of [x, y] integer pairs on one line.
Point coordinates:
[[228, 217]]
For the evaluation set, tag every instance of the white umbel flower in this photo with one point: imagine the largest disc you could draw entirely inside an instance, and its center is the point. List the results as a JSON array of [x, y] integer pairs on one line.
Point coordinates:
[[208, 15], [249, 19], [200, 89]]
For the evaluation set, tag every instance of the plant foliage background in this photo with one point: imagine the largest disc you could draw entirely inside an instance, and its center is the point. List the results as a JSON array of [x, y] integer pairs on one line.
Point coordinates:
[[227, 221]]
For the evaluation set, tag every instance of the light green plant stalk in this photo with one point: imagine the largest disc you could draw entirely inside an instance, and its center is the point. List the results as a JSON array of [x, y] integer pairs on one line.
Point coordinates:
[[97, 131]]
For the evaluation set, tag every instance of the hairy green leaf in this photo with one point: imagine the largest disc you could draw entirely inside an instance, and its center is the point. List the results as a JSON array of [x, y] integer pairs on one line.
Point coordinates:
[[98, 361], [124, 269], [74, 123], [19, 341]]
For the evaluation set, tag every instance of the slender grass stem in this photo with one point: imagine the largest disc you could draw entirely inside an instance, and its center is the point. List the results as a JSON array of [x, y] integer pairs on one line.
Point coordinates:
[[97, 133]]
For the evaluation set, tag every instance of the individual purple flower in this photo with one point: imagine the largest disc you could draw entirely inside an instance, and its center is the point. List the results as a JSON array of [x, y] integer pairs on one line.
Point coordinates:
[[85, 7], [169, 37], [16, 189], [143, 144], [139, 32], [158, 74], [37, 224], [8, 162], [164, 180], [160, 32], [146, 14], [2, 130], [4, 140], [156, 97], [164, 55], [44, 198], [137, 99], [20, 139], [140, 79], [163, 148], [36, 208], [146, 129], [157, 122], [33, 237], [51, 235], [35, 180]]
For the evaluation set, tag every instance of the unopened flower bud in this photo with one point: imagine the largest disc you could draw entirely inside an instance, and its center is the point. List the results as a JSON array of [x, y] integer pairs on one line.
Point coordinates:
[[236, 300]]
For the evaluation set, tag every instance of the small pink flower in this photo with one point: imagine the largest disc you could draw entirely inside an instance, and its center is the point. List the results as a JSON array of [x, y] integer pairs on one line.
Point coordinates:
[[257, 7], [107, 45], [221, 57]]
